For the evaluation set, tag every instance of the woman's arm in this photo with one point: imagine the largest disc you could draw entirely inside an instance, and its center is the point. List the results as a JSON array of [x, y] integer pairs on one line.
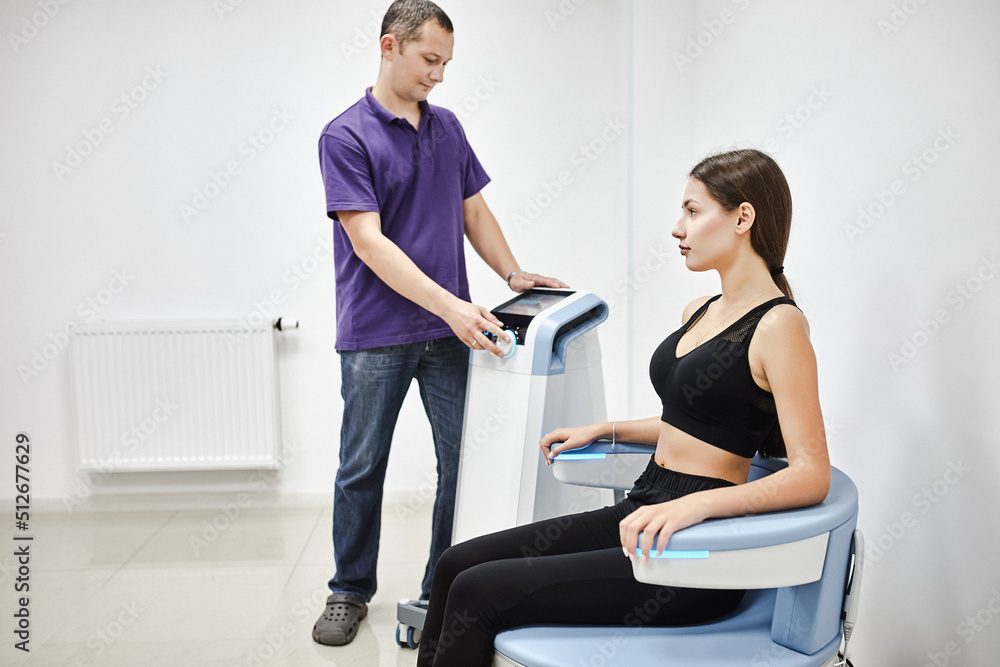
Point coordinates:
[[789, 365], [642, 431]]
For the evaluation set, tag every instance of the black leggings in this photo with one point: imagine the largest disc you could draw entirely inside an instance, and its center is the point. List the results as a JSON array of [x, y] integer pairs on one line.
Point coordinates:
[[567, 570]]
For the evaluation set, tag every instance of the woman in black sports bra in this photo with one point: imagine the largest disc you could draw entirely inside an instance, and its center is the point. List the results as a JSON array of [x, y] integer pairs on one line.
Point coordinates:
[[738, 377]]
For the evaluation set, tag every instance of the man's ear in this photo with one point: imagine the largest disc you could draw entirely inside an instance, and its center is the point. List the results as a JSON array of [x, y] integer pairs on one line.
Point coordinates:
[[388, 46], [745, 217]]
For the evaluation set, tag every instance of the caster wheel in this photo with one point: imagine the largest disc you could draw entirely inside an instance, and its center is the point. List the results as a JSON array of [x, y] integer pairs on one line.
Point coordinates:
[[407, 637]]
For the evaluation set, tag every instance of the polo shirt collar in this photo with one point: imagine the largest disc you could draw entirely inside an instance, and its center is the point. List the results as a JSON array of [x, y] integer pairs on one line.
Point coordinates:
[[385, 115]]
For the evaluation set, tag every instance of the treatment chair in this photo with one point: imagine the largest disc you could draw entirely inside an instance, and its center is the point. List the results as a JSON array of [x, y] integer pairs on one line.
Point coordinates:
[[801, 568]]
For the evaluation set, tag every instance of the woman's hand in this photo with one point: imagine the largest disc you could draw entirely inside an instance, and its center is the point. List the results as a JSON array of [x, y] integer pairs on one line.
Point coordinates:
[[658, 522], [568, 438]]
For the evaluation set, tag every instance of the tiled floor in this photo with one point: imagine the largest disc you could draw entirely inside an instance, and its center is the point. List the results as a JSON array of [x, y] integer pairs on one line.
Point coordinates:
[[208, 580]]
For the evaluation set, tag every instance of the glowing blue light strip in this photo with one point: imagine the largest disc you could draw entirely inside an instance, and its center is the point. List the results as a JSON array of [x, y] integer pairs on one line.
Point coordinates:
[[580, 457], [675, 554]]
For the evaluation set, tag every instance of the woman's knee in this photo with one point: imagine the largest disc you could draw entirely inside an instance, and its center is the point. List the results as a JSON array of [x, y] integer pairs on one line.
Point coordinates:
[[475, 600], [457, 559]]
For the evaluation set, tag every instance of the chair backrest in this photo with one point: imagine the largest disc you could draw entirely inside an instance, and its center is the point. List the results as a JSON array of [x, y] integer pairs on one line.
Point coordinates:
[[807, 617], [762, 467]]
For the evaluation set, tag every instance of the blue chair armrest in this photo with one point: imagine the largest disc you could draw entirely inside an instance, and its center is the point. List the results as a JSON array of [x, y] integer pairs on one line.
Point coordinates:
[[600, 448], [770, 550], [762, 530], [601, 465]]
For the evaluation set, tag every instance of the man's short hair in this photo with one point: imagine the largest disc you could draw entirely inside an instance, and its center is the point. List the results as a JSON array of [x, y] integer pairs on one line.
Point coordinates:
[[405, 18]]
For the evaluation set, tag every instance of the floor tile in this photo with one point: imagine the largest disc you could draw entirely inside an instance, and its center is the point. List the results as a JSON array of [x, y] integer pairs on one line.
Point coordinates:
[[178, 604], [80, 541], [230, 535], [194, 582]]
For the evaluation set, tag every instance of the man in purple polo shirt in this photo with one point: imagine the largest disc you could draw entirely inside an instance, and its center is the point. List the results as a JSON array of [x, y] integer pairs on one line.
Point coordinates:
[[403, 185]]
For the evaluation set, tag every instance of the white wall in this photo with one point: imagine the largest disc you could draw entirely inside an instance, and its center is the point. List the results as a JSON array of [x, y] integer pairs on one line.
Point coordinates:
[[222, 77], [918, 433], [534, 86]]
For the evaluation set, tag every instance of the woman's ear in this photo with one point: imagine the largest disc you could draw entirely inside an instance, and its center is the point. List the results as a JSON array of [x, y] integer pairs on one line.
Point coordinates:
[[745, 217]]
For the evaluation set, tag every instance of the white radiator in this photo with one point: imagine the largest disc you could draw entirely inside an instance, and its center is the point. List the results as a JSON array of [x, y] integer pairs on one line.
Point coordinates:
[[176, 396]]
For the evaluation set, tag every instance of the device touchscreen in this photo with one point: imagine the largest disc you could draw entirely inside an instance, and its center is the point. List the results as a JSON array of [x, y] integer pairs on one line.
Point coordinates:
[[531, 304]]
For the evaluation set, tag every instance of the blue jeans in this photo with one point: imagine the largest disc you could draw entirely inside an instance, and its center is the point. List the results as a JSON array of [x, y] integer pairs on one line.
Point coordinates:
[[373, 385]]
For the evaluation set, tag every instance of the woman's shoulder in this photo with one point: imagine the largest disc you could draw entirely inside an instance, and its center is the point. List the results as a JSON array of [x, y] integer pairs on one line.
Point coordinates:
[[692, 308], [783, 320]]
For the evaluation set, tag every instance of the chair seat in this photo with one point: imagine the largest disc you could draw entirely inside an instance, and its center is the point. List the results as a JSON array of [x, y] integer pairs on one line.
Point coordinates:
[[743, 637]]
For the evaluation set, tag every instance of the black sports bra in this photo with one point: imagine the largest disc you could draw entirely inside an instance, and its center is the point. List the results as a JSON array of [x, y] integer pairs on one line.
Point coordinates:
[[710, 392]]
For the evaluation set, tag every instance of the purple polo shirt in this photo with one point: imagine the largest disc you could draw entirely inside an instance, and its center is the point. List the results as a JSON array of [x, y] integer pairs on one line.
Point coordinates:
[[416, 180]]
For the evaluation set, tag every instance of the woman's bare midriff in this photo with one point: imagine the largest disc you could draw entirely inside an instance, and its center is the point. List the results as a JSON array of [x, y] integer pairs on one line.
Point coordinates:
[[685, 453]]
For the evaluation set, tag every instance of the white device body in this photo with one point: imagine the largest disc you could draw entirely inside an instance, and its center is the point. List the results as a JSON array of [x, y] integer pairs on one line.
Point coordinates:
[[511, 403]]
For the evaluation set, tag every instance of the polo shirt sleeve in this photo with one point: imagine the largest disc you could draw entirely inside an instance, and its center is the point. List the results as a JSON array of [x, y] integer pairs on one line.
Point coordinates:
[[474, 176], [347, 176]]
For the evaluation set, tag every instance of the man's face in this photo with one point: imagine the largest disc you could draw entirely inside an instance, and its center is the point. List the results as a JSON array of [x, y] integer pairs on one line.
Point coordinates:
[[419, 65]]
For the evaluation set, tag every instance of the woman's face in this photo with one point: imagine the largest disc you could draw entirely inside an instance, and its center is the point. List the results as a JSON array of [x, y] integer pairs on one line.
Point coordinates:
[[706, 233]]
